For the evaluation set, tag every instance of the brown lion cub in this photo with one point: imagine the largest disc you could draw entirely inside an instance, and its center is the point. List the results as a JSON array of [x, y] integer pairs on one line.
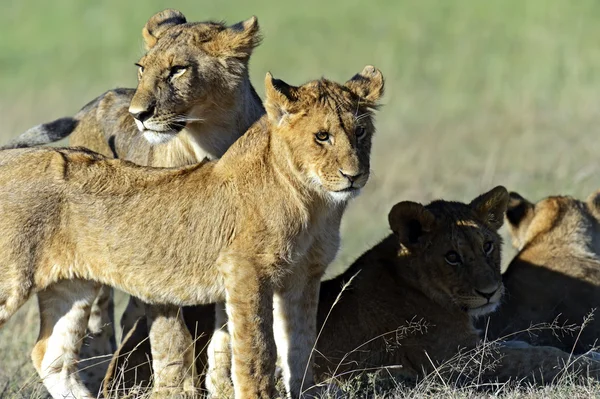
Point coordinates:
[[259, 234], [193, 100], [555, 277], [412, 299]]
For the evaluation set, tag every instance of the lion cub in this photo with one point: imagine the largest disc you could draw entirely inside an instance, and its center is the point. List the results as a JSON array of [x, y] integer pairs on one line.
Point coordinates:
[[412, 299], [556, 273], [258, 236]]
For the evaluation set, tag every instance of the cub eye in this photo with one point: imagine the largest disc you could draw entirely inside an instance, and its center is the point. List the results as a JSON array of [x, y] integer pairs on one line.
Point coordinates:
[[140, 69], [488, 247], [453, 258], [360, 132], [177, 71], [322, 136]]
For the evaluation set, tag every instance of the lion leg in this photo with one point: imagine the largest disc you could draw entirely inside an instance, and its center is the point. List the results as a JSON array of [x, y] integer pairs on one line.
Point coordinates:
[[64, 312], [172, 352], [249, 304], [99, 343], [218, 376], [295, 327]]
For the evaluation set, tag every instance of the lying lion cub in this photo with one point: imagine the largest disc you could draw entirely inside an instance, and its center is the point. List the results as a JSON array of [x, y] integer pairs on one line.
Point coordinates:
[[555, 275], [259, 234], [410, 301], [414, 296]]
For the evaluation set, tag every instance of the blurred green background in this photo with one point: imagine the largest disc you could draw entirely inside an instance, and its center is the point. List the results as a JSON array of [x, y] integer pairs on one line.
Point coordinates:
[[478, 92]]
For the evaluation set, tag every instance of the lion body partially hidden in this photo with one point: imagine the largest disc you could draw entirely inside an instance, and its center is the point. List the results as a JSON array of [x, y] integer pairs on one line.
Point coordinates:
[[194, 116], [258, 235], [554, 280]]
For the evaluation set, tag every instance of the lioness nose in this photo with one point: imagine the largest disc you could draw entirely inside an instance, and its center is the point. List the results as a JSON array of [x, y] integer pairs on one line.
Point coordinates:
[[142, 115], [351, 177]]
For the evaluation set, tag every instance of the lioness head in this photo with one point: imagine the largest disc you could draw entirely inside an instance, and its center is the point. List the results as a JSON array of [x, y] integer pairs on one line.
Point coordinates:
[[454, 249], [325, 129], [561, 220], [189, 68]]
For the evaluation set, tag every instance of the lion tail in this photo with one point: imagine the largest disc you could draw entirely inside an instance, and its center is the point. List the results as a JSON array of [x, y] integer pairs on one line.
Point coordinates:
[[44, 134]]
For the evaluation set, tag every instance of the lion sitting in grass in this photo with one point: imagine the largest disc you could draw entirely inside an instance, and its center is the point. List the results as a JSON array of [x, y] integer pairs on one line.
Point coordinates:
[[554, 280], [407, 305], [258, 236]]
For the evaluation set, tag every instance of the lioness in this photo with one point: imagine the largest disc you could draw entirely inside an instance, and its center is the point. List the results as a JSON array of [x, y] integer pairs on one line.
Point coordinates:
[[555, 277], [193, 100], [409, 302], [258, 236]]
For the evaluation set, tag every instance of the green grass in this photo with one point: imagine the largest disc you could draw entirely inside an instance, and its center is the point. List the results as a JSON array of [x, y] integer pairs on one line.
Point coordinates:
[[479, 93]]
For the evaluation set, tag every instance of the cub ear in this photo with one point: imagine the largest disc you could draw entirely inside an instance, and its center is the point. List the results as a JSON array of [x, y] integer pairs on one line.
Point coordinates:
[[367, 84], [410, 221], [279, 97], [237, 41], [159, 23], [593, 202], [518, 210], [491, 207]]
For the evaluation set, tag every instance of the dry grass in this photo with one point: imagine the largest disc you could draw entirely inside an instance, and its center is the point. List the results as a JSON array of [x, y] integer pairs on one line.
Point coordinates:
[[479, 93]]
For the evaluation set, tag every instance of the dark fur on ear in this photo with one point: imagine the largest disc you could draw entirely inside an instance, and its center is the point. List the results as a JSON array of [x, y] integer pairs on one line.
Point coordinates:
[[410, 221], [593, 202], [158, 24], [368, 84], [491, 207], [279, 97], [518, 209]]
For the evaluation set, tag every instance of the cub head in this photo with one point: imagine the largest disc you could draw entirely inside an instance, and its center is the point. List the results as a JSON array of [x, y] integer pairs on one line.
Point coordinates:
[[323, 130], [454, 249], [190, 71], [560, 220]]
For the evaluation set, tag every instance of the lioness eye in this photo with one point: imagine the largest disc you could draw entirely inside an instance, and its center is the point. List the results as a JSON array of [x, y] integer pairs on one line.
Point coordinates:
[[177, 71], [452, 258], [322, 136], [488, 247], [360, 132]]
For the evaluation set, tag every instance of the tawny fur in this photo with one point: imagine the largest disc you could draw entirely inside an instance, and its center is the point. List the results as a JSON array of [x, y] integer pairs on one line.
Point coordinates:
[[555, 277], [260, 232], [197, 114]]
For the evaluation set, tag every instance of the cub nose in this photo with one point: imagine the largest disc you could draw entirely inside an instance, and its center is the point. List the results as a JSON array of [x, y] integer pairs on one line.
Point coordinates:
[[142, 114], [351, 177], [487, 294]]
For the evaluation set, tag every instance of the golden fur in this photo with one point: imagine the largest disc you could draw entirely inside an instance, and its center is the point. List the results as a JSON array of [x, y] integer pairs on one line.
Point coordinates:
[[197, 113], [258, 236], [405, 305], [556, 273]]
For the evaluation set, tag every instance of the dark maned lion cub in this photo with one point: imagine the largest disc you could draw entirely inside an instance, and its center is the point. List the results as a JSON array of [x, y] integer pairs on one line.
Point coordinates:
[[555, 277], [258, 236]]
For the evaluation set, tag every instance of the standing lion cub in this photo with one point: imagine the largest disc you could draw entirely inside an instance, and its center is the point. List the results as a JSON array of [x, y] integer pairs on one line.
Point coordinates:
[[259, 235]]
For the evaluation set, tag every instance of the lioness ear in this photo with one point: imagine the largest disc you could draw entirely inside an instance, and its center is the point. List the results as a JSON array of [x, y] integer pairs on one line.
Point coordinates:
[[279, 97], [593, 202], [491, 207], [410, 221], [242, 37], [368, 84], [159, 23]]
